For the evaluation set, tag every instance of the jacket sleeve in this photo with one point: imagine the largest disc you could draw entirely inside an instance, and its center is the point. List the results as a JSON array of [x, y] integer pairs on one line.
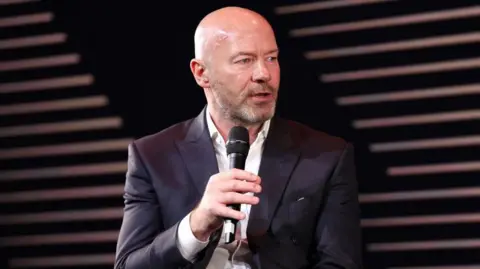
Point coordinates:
[[338, 231], [143, 242]]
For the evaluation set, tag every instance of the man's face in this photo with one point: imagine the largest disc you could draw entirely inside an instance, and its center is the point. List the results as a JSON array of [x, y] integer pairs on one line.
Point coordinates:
[[245, 75]]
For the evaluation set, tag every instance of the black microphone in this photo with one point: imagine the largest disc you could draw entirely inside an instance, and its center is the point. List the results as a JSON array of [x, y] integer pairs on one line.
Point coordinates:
[[237, 151]]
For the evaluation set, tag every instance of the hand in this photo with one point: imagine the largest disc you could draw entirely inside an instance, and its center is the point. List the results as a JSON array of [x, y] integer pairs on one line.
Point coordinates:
[[223, 189]]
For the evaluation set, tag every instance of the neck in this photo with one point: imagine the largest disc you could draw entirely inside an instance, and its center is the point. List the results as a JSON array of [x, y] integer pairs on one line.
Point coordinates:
[[224, 125]]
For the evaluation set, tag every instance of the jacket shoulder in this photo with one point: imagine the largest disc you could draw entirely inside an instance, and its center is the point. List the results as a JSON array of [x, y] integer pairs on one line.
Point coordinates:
[[310, 139], [163, 139]]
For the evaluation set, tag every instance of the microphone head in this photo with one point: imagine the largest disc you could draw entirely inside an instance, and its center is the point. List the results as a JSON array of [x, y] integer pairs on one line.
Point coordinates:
[[238, 140]]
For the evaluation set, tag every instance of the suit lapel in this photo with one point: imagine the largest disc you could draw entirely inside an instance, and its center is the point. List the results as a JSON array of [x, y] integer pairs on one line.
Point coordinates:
[[198, 153], [278, 161]]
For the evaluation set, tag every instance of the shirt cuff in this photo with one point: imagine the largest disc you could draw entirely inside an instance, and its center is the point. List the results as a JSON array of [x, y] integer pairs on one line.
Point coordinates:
[[187, 243]]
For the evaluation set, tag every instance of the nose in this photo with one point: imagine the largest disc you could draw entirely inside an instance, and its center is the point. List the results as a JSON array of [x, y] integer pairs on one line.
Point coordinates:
[[261, 74]]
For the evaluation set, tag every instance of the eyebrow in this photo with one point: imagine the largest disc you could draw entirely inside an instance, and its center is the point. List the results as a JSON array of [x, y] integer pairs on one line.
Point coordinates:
[[251, 53], [272, 51]]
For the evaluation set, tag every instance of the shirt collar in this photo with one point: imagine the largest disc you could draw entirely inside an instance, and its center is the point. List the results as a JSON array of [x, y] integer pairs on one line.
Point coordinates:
[[215, 134]]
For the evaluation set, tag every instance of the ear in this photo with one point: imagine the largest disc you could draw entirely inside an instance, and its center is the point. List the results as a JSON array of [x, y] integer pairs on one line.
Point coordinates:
[[199, 73]]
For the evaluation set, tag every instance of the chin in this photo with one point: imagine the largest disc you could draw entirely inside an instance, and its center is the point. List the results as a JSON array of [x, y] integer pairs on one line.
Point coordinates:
[[255, 114], [261, 117]]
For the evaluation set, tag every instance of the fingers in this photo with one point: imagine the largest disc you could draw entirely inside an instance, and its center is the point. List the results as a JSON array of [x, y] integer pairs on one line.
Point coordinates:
[[239, 186], [228, 188], [237, 198], [244, 175], [238, 181], [225, 212]]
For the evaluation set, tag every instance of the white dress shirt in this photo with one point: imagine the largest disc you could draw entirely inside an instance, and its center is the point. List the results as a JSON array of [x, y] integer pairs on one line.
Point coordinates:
[[224, 257]]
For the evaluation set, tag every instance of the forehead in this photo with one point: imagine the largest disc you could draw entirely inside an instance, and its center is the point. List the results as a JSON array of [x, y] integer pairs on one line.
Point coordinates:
[[259, 41]]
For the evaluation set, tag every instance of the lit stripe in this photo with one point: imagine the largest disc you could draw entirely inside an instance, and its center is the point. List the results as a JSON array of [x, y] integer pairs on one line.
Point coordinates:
[[322, 5], [434, 168], [388, 22], [418, 119], [48, 61], [46, 106], [409, 95], [11, 2], [61, 127], [64, 171], [47, 84], [425, 245], [61, 261], [450, 65], [26, 19], [395, 46], [440, 267], [419, 195], [460, 141], [31, 41], [62, 194], [65, 238], [60, 216], [421, 220], [63, 149]]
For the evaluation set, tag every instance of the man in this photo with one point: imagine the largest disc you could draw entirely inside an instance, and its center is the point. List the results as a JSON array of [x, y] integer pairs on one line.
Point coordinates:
[[298, 191]]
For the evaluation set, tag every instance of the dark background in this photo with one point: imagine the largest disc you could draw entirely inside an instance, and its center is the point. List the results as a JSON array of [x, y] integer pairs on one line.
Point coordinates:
[[139, 54]]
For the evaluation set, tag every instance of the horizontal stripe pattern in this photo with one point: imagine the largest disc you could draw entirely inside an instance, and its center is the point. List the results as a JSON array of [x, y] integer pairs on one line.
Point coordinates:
[[62, 216], [61, 127], [49, 61], [419, 195], [63, 194], [421, 220], [47, 84], [32, 41], [442, 15], [440, 117], [409, 95], [323, 5], [54, 105], [425, 245], [26, 19], [61, 238], [425, 169], [422, 43], [64, 171], [66, 149], [422, 144], [415, 69], [62, 261]]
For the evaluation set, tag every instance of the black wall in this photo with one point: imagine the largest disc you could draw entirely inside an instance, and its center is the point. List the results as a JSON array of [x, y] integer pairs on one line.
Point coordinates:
[[127, 45]]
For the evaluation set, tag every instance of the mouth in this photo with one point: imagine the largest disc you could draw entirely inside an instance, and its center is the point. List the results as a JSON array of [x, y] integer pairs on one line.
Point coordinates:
[[262, 97], [262, 94]]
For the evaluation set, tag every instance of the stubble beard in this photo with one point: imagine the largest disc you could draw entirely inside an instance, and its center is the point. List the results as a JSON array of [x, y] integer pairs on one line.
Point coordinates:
[[240, 114]]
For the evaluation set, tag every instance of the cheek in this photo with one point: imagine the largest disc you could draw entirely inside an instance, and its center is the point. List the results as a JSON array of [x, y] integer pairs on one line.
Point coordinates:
[[238, 77], [275, 79], [239, 82], [274, 70]]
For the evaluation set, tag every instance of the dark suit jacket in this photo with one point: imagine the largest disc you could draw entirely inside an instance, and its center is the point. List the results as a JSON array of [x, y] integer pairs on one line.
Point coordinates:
[[308, 215]]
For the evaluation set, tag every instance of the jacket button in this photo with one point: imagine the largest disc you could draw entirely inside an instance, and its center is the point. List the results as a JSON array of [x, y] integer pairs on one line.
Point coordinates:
[[294, 240]]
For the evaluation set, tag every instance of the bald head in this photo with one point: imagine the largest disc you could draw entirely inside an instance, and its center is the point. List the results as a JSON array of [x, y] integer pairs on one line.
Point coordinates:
[[236, 64], [224, 23]]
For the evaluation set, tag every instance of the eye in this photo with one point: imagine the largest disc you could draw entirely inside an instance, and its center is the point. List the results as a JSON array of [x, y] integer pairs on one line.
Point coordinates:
[[244, 61], [272, 59]]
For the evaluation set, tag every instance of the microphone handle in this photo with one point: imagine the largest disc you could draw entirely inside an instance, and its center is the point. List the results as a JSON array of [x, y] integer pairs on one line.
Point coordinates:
[[236, 160]]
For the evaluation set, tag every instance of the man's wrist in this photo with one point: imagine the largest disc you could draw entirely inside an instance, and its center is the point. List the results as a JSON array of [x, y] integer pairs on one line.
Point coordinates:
[[200, 233], [187, 243]]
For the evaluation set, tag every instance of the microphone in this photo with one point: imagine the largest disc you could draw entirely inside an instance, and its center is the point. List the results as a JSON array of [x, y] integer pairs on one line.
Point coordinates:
[[237, 151]]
